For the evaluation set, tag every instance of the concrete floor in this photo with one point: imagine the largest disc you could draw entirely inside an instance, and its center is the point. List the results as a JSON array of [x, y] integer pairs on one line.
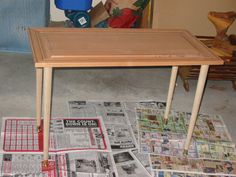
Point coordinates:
[[17, 89]]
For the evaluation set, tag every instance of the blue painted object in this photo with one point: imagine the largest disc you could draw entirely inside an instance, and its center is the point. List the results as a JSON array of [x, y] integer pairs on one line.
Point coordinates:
[[80, 19], [15, 18], [76, 11], [80, 5]]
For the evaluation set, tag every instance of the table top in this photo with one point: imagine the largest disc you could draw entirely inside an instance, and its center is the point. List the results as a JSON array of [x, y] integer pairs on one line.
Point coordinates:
[[73, 47]]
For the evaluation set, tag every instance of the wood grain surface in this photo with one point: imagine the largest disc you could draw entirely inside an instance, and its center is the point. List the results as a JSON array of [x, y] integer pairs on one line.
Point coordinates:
[[70, 47]]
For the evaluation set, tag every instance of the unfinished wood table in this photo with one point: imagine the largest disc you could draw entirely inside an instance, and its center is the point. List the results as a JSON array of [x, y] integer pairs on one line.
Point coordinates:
[[67, 48]]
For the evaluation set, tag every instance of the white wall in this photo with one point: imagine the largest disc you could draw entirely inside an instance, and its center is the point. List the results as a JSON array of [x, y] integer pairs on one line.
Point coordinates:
[[58, 15], [192, 14]]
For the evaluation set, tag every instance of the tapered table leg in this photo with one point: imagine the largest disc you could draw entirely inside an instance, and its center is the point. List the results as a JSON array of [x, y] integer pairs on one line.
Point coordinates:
[[171, 91], [39, 84], [47, 111], [196, 104]]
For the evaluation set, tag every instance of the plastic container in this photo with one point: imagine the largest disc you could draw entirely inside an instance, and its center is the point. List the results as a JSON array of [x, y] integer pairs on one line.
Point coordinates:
[[16, 16], [82, 5]]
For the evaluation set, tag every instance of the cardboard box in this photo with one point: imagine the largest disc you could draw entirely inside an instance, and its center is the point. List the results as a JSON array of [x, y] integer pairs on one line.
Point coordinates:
[[98, 14]]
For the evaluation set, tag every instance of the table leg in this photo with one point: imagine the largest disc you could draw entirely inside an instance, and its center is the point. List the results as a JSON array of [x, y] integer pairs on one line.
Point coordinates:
[[47, 112], [196, 104], [39, 84], [171, 91]]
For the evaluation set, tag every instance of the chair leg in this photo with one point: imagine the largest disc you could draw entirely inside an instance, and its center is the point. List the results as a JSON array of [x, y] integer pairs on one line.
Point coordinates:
[[186, 85]]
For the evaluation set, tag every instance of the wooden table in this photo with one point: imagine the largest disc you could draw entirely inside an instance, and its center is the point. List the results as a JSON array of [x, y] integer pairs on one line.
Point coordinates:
[[66, 48]]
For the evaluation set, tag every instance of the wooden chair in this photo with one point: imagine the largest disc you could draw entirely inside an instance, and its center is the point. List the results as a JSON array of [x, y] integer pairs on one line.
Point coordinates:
[[221, 46]]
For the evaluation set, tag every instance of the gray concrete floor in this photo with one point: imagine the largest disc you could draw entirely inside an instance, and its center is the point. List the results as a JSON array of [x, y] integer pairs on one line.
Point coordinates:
[[17, 89]]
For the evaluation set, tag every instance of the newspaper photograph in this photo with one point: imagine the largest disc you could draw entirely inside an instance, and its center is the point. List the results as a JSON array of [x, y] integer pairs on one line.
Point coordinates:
[[128, 166], [121, 137], [66, 134]]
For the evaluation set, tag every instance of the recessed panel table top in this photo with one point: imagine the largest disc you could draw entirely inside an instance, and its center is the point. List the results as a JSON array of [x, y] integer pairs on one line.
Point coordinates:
[[69, 47]]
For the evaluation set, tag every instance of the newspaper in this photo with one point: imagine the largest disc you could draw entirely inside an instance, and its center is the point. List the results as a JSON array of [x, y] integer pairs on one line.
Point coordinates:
[[165, 146], [120, 136], [86, 163], [154, 137], [111, 112], [143, 159], [159, 138], [19, 164], [168, 139], [153, 120], [82, 109], [128, 166], [81, 146], [130, 108], [177, 174], [197, 166], [77, 164], [216, 151], [117, 124], [145, 104], [209, 128], [66, 134]]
